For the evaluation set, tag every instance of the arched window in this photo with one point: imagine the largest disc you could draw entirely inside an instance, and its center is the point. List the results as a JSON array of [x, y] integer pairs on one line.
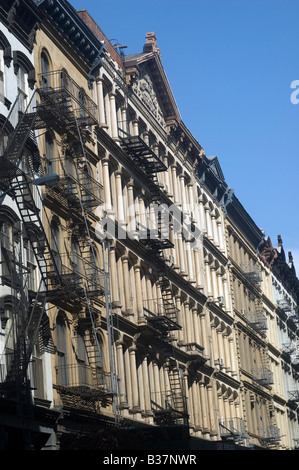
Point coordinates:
[[86, 181], [25, 73], [83, 370], [5, 59], [61, 344], [2, 84], [82, 103], [55, 244], [6, 129], [22, 89], [49, 154], [45, 68]]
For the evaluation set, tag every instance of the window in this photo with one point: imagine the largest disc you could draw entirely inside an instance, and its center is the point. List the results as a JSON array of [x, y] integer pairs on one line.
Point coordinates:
[[5, 59], [83, 375], [6, 253], [2, 91], [22, 90], [61, 352], [36, 367], [10, 335], [49, 154], [55, 244], [45, 71]]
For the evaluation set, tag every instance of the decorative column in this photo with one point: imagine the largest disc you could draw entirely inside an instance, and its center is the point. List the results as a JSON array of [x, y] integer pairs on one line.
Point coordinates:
[[195, 325], [181, 253], [183, 193], [180, 319], [232, 355], [197, 407], [135, 127], [124, 123], [127, 285], [226, 294], [106, 182], [131, 209], [220, 284], [188, 323], [166, 174], [221, 349], [146, 388], [190, 197], [133, 375], [208, 277], [174, 184], [211, 408], [214, 281], [190, 260], [114, 129], [203, 224], [215, 349], [203, 340], [204, 410], [214, 228], [114, 283], [208, 222], [100, 99], [121, 374], [140, 316], [221, 235], [120, 198], [157, 390]]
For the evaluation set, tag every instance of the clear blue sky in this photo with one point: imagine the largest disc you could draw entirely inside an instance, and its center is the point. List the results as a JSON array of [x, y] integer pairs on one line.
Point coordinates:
[[230, 64]]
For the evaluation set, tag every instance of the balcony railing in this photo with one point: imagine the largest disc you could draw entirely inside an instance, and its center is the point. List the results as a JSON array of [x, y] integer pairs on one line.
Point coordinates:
[[232, 429], [62, 100], [252, 273], [269, 435], [159, 315], [80, 270], [263, 376], [79, 276], [76, 185], [257, 320], [82, 379]]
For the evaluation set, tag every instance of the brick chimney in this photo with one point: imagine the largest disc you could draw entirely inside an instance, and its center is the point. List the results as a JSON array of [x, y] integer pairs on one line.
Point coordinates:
[[151, 43]]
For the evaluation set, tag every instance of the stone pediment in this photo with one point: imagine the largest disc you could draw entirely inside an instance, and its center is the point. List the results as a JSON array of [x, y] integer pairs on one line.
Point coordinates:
[[146, 76], [215, 167], [145, 90]]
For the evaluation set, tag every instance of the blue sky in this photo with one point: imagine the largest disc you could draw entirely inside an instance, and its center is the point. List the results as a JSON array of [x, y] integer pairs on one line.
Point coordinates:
[[230, 64]]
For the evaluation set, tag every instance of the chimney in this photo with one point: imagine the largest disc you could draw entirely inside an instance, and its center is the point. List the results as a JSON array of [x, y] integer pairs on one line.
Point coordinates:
[[151, 43]]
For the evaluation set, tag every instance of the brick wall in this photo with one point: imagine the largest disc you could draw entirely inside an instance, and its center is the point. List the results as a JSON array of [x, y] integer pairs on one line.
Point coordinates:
[[89, 21]]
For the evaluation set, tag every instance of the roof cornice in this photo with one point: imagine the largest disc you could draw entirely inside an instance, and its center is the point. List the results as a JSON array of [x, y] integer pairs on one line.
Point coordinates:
[[67, 21], [153, 61]]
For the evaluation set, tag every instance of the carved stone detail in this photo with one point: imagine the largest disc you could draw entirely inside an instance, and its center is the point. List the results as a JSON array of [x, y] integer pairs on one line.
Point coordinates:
[[143, 87]]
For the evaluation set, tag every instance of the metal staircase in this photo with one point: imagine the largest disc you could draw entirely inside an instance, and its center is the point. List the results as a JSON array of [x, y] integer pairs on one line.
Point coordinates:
[[174, 409], [60, 109]]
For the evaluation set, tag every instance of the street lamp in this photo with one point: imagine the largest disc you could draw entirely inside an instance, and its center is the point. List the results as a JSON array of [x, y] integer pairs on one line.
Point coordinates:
[[48, 180]]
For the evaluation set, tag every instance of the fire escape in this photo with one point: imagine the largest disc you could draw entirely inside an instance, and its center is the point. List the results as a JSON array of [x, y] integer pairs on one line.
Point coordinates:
[[262, 375], [28, 306], [70, 280], [65, 109], [172, 406]]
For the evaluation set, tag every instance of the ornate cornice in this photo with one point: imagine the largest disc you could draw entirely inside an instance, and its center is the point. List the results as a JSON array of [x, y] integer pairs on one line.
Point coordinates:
[[67, 21], [22, 18]]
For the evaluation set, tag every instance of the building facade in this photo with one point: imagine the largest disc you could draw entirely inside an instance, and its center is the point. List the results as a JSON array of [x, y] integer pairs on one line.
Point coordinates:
[[160, 317], [23, 301]]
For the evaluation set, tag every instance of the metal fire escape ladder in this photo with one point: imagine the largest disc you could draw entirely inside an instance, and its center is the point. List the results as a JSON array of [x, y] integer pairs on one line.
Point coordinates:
[[110, 329], [25, 327], [106, 285], [11, 174], [150, 164]]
